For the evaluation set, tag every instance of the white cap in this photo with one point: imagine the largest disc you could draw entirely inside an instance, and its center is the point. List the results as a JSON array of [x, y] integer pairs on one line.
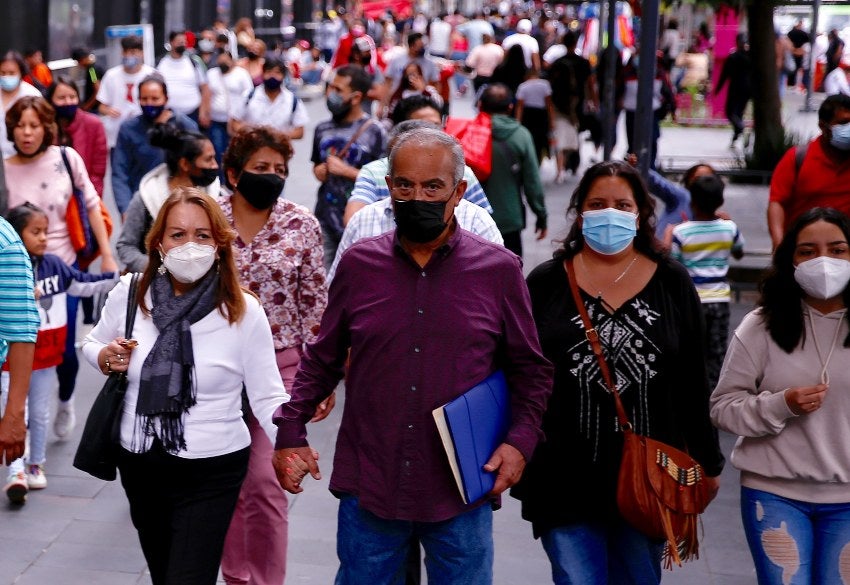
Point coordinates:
[[523, 26]]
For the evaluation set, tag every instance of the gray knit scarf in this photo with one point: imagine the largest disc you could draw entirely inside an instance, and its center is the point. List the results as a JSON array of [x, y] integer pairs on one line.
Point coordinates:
[[167, 387]]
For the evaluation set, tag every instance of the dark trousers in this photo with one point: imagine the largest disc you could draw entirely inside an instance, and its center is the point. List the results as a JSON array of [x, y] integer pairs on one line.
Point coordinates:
[[735, 114], [513, 242], [67, 370], [181, 509], [716, 334]]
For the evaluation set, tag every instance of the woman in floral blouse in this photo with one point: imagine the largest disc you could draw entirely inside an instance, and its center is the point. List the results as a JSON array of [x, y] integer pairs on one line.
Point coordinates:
[[279, 256]]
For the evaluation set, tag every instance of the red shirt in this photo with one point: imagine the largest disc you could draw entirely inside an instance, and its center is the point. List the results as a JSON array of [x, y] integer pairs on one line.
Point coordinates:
[[821, 182]]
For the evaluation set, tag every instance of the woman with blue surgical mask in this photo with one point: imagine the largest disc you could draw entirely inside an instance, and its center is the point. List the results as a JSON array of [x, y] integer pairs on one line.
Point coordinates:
[[12, 88], [648, 318], [784, 390]]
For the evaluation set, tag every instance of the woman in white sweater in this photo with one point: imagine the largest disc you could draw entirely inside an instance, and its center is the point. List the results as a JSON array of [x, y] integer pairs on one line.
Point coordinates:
[[785, 389], [197, 340]]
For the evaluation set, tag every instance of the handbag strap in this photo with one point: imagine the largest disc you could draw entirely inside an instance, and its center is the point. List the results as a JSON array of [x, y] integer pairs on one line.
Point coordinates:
[[354, 137], [593, 337], [132, 304], [62, 151]]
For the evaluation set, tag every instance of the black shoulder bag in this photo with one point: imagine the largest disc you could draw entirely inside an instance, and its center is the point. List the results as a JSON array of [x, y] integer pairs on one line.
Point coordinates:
[[97, 453]]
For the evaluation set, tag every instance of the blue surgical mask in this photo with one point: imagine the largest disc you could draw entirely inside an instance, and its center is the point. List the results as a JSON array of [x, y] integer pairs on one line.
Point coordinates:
[[9, 82], [841, 136], [608, 231], [130, 62]]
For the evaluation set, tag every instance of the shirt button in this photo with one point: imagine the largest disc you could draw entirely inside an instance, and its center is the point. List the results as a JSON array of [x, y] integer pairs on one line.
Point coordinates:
[[423, 274], [416, 349], [410, 427], [407, 463], [413, 388], [420, 311]]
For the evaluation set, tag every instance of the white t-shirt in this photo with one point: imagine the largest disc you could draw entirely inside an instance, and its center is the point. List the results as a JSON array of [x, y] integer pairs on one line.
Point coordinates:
[[24, 90], [258, 109], [120, 90], [485, 58], [438, 40], [534, 92], [527, 42], [836, 82], [184, 79], [227, 90], [554, 53]]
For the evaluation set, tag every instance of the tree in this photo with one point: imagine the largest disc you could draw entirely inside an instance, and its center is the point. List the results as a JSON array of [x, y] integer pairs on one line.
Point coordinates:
[[769, 134]]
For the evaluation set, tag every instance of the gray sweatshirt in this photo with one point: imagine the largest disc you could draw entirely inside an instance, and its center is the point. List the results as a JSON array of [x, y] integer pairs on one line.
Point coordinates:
[[803, 457]]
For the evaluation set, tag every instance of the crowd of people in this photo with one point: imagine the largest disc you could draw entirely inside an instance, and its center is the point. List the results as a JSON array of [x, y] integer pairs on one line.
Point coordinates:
[[248, 310]]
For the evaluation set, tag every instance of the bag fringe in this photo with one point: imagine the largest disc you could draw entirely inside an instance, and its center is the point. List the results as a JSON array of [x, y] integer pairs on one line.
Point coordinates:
[[681, 547]]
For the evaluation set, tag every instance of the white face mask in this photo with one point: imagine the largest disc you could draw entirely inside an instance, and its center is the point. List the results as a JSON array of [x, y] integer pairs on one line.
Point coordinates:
[[823, 277], [189, 262]]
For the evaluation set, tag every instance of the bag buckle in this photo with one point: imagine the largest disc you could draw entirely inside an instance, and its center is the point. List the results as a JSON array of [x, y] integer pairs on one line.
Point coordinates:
[[591, 335]]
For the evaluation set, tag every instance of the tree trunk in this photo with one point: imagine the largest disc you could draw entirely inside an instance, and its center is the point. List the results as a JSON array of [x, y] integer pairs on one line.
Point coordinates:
[[767, 108]]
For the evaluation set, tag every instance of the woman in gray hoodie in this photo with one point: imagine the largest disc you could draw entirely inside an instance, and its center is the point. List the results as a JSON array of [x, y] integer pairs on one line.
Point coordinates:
[[785, 389]]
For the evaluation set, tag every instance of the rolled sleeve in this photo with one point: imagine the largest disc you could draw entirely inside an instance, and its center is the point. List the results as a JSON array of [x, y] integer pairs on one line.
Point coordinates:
[[19, 318]]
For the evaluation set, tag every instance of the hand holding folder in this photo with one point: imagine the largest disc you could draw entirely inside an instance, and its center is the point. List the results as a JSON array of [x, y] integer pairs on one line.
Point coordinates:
[[472, 428]]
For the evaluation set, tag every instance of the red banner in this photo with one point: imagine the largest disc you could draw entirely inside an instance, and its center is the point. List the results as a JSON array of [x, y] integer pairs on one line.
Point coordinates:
[[376, 9]]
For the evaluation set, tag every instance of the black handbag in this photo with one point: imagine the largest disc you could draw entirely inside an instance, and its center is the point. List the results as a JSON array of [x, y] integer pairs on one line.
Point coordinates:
[[97, 453]]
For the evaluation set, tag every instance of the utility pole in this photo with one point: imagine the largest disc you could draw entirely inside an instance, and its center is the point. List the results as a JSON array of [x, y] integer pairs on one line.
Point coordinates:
[[807, 106], [644, 117], [610, 54]]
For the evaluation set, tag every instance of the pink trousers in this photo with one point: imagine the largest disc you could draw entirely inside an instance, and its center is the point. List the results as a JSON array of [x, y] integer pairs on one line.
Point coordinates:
[[255, 547]]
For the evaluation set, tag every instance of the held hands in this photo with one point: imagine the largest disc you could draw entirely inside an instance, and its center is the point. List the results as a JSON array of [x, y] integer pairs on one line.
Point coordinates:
[[509, 462], [321, 172], [115, 357], [805, 399], [292, 465]]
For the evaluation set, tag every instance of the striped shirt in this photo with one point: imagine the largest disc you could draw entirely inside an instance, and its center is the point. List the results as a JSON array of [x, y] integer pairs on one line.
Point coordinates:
[[371, 185], [19, 319], [704, 247], [378, 218]]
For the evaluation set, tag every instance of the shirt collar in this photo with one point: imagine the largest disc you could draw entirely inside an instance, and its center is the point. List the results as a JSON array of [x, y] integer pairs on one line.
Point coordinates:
[[441, 252]]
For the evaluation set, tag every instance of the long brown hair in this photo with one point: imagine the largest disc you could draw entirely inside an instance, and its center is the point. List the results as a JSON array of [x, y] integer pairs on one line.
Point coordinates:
[[231, 303]]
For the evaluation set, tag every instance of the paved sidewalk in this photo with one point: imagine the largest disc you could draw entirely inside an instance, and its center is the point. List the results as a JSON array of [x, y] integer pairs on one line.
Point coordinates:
[[78, 531]]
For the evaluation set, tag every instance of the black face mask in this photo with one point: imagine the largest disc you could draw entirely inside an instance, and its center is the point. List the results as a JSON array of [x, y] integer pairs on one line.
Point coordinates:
[[205, 178], [180, 49], [420, 221], [261, 190], [252, 55], [225, 67]]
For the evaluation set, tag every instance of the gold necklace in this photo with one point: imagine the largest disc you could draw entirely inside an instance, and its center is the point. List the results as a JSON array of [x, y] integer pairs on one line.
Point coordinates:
[[614, 282]]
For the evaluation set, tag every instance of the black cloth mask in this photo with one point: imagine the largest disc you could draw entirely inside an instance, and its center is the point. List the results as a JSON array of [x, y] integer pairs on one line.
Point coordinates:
[[420, 221], [261, 190], [204, 178]]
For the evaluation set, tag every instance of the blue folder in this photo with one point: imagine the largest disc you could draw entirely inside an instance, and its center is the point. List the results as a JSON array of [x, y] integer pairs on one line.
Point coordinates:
[[471, 427]]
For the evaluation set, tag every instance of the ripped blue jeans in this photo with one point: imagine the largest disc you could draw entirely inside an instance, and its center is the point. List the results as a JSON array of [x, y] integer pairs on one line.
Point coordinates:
[[794, 542]]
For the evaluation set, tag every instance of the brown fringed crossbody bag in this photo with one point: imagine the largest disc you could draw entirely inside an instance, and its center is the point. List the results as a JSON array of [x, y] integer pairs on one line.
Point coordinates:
[[661, 491]]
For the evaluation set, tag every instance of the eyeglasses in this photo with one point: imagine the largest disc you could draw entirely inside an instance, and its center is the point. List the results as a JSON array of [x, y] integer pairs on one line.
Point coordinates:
[[407, 189]]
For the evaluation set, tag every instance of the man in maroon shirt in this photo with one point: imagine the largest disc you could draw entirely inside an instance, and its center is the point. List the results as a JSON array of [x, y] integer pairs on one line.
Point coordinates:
[[428, 311]]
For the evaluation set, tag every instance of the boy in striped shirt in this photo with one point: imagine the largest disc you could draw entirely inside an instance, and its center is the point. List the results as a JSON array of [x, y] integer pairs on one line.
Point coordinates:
[[704, 245]]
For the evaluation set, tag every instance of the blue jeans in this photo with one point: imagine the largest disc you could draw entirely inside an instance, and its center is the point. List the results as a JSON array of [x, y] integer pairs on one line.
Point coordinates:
[[794, 542], [458, 551], [599, 554], [42, 387], [217, 133]]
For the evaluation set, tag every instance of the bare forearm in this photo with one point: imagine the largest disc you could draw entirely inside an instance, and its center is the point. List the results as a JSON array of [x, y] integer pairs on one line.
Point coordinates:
[[20, 368], [775, 222]]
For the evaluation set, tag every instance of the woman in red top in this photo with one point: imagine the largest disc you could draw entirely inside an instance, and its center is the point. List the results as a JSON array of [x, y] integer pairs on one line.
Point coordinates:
[[79, 129]]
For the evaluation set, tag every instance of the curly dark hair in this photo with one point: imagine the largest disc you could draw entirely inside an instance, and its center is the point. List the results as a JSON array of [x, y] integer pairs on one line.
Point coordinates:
[[645, 240], [45, 112], [781, 296], [249, 140]]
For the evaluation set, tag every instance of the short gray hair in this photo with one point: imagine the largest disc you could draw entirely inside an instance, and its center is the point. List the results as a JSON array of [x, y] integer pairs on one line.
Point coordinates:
[[407, 126], [431, 137]]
